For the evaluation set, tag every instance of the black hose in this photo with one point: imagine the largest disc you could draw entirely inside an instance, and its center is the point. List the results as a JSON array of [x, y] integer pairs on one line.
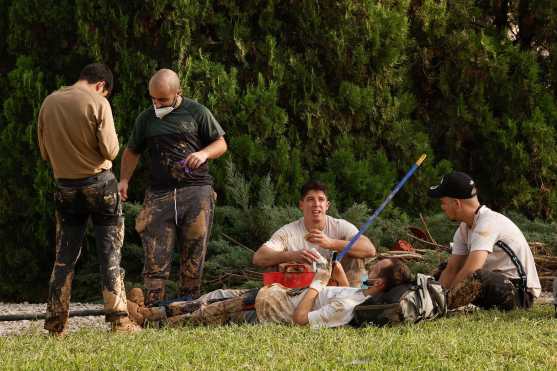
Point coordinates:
[[39, 316]]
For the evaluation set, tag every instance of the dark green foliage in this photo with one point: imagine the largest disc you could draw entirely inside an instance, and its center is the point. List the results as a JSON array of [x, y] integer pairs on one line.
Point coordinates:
[[351, 92], [487, 103]]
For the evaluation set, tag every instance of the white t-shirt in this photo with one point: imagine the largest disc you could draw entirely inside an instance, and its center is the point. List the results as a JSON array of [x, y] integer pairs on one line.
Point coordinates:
[[291, 236], [488, 228], [332, 308]]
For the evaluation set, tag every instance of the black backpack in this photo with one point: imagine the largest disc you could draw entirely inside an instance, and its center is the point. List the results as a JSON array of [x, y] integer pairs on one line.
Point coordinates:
[[423, 300]]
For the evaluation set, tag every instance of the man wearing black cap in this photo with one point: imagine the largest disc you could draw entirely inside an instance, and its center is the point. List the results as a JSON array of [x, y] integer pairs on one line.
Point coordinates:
[[491, 263]]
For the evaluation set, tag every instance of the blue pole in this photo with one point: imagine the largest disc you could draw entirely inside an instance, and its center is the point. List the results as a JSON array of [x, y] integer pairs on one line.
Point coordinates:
[[372, 218]]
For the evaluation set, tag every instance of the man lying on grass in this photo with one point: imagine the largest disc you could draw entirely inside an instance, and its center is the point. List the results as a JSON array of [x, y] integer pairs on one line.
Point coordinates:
[[327, 306], [318, 305]]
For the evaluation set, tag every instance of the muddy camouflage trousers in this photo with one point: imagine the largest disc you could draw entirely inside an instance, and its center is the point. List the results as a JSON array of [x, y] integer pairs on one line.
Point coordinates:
[[219, 307], [76, 201], [181, 218], [487, 289]]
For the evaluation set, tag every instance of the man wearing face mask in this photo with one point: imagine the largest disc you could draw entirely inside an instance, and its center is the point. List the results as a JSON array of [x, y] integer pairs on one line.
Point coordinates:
[[180, 136]]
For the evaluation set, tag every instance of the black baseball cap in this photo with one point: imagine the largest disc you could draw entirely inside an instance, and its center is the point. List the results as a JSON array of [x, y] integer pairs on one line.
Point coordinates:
[[455, 185]]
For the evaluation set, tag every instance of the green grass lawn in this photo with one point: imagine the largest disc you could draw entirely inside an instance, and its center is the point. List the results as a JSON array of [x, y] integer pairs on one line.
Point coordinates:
[[480, 340]]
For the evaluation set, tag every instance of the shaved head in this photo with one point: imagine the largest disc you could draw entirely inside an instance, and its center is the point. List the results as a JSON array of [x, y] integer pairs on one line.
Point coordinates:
[[164, 88], [166, 81]]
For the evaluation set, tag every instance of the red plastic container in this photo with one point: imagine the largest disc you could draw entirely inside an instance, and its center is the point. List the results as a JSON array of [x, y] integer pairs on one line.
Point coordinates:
[[294, 276]]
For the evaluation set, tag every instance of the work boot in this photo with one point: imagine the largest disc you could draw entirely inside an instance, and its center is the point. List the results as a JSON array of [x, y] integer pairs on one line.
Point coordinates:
[[133, 313], [135, 303], [125, 325], [136, 295], [464, 293], [153, 313]]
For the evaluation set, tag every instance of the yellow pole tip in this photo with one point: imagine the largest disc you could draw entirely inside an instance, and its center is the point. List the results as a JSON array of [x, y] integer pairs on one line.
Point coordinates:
[[421, 159]]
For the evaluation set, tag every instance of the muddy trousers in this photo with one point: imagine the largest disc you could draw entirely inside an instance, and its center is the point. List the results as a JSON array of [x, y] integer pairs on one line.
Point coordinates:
[[220, 307], [76, 201], [183, 218], [487, 289]]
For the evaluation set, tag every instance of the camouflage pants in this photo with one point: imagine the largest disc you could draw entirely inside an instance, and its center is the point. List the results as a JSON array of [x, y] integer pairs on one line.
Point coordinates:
[[487, 289], [181, 217], [77, 200], [219, 307]]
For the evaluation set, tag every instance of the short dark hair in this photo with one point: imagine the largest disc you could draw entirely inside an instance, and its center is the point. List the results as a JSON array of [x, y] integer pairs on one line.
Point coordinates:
[[395, 274], [313, 185], [95, 72]]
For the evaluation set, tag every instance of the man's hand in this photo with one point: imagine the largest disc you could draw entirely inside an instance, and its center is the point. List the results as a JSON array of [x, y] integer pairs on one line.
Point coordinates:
[[319, 238], [322, 275], [304, 256], [123, 189], [196, 159]]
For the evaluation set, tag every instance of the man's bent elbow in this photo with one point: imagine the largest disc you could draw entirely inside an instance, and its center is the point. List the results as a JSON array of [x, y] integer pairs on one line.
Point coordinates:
[[369, 250], [300, 318], [258, 260], [224, 145]]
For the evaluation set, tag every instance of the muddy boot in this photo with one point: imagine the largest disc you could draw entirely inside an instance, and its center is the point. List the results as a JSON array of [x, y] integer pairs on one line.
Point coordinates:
[[136, 295], [464, 293], [134, 313], [125, 325], [135, 303]]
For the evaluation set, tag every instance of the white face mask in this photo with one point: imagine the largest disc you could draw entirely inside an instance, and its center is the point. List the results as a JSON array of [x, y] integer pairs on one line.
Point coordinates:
[[161, 112]]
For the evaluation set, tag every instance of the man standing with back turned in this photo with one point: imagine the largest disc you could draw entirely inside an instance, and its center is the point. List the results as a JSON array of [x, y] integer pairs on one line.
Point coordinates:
[[77, 136], [180, 135]]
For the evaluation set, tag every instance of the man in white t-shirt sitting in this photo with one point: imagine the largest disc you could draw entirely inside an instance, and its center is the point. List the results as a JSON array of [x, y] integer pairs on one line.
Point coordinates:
[[316, 230], [491, 264]]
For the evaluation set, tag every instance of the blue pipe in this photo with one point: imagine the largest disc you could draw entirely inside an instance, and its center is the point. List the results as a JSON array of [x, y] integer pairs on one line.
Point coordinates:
[[372, 218]]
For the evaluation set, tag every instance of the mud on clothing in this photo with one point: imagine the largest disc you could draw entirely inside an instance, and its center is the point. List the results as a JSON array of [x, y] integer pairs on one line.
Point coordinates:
[[189, 128], [178, 208], [76, 201], [487, 289], [219, 307], [291, 237], [490, 227], [181, 218], [333, 307]]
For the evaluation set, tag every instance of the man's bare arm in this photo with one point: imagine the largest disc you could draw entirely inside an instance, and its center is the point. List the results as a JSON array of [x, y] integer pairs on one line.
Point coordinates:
[[212, 151], [129, 162], [320, 279], [300, 316], [339, 275], [474, 261], [362, 248], [267, 257], [454, 265]]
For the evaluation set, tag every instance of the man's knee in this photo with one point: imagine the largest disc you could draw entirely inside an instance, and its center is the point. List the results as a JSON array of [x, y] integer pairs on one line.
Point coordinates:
[[498, 291], [355, 270]]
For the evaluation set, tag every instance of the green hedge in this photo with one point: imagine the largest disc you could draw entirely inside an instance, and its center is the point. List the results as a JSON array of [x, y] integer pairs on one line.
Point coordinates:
[[348, 91]]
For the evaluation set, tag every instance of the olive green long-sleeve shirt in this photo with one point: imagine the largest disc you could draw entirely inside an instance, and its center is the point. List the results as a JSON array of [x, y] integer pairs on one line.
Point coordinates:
[[76, 133]]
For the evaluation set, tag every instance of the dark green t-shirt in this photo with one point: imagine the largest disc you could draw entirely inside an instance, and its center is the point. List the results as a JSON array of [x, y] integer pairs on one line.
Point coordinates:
[[189, 128]]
